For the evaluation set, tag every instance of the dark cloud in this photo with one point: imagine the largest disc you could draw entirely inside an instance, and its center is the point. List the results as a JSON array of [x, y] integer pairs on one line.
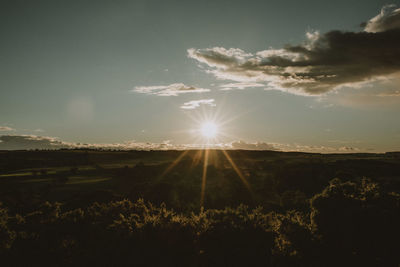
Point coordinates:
[[324, 62]]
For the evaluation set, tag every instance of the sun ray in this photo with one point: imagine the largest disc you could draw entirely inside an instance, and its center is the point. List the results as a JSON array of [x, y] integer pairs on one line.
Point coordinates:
[[197, 157], [237, 170], [204, 178], [173, 164]]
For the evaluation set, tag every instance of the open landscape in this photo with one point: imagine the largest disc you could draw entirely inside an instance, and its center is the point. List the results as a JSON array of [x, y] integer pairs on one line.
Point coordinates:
[[93, 207], [212, 133]]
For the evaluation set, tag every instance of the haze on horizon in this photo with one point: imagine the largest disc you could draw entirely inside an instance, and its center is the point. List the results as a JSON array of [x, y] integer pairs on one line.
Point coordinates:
[[314, 76]]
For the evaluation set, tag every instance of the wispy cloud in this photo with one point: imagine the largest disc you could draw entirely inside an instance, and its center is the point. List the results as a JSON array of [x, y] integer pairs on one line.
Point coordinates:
[[385, 94], [6, 128], [321, 64], [169, 90], [395, 93], [27, 142], [17, 142], [196, 103], [292, 147], [240, 86]]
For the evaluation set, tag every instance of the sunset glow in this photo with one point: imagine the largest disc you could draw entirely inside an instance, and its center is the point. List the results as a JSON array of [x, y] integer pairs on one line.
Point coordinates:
[[199, 133], [209, 130]]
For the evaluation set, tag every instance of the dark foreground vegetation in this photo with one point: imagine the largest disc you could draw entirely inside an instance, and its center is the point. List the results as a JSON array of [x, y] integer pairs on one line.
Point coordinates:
[[86, 208]]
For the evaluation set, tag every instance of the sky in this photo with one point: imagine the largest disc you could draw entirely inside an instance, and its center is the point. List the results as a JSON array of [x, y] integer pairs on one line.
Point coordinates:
[[317, 76]]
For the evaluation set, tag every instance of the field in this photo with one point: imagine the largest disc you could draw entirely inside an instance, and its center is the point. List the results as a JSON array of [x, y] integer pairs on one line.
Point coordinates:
[[199, 208]]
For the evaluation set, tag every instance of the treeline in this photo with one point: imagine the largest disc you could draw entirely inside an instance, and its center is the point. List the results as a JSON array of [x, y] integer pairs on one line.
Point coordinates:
[[350, 223]]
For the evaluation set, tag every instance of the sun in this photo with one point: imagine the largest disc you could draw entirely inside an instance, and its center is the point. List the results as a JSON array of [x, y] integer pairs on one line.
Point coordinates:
[[209, 130]]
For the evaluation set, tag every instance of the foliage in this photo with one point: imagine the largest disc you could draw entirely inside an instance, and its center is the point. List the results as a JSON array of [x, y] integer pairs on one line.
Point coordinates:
[[55, 213], [358, 221], [350, 223]]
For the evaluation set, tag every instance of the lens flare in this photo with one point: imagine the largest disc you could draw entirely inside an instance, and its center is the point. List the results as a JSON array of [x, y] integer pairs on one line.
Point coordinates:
[[209, 130]]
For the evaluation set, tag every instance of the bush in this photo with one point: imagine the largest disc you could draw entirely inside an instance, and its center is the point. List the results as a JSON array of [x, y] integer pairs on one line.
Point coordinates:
[[352, 223], [7, 236], [357, 223]]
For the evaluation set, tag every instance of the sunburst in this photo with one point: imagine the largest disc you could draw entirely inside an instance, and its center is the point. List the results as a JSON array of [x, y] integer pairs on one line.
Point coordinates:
[[209, 129], [208, 132]]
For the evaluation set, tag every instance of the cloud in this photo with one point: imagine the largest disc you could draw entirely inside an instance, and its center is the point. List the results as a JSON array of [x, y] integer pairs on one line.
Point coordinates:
[[394, 94], [348, 149], [392, 90], [6, 128], [290, 147], [29, 142], [240, 86], [169, 90], [384, 94], [253, 146], [317, 149], [388, 19], [21, 142], [323, 63], [196, 103]]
